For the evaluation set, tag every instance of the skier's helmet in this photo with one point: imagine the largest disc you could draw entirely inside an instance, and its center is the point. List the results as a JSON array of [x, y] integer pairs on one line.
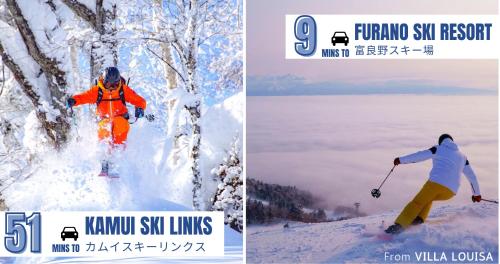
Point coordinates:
[[443, 137], [111, 77]]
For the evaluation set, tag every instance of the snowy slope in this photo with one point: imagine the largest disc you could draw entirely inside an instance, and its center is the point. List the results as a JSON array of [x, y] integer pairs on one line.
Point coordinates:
[[68, 180], [449, 229]]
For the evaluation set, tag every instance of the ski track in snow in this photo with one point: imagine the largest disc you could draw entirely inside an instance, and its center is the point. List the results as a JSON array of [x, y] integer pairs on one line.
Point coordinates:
[[448, 229]]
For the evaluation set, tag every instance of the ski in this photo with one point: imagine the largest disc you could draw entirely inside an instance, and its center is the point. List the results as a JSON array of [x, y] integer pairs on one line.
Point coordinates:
[[113, 176], [105, 172], [382, 236], [109, 175]]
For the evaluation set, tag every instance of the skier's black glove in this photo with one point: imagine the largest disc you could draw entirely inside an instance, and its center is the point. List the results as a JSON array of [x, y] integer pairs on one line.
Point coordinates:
[[70, 102], [476, 198], [397, 162], [139, 112]]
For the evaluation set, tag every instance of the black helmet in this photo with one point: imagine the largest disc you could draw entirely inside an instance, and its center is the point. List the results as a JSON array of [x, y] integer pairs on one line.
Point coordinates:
[[111, 75], [443, 137]]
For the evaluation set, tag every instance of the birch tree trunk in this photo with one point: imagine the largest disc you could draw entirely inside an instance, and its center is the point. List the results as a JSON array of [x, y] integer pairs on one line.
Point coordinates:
[[171, 77], [195, 108]]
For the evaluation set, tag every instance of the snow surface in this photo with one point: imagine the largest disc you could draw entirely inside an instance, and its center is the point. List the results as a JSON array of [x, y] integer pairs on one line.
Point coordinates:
[[450, 228], [222, 124], [68, 180]]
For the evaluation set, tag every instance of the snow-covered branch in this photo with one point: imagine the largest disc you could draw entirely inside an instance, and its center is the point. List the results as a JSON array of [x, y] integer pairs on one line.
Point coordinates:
[[83, 12], [52, 128], [49, 65]]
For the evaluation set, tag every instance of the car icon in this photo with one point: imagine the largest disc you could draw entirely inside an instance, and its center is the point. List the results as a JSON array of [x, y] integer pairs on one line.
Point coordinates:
[[69, 232], [340, 37]]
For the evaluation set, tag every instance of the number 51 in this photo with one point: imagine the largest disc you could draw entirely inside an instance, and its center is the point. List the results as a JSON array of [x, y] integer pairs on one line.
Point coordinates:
[[305, 31], [15, 232]]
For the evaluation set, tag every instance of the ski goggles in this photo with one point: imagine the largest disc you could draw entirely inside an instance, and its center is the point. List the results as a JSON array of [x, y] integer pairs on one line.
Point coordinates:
[[111, 86]]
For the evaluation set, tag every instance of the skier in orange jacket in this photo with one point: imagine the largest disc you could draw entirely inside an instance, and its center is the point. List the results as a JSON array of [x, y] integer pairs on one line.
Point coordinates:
[[111, 95]]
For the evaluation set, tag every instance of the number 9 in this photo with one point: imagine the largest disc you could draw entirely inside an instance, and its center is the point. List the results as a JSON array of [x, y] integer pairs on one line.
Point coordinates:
[[305, 31]]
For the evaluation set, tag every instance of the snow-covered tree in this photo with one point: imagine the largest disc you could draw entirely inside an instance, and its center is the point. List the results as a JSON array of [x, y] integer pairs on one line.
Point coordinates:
[[103, 45], [201, 42], [27, 49], [183, 57], [32, 45], [229, 196]]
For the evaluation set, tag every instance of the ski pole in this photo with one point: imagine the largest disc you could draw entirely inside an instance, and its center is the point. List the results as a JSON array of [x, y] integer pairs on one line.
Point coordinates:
[[376, 192], [133, 121], [491, 201]]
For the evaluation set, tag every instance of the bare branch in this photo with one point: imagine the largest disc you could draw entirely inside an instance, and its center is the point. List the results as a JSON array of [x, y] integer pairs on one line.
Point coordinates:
[[166, 62]]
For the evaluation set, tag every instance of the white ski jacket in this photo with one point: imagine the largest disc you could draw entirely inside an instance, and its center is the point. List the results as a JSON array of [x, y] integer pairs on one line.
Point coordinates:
[[448, 163]]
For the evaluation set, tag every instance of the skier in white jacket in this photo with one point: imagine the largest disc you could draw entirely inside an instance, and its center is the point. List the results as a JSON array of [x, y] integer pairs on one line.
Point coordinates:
[[448, 163]]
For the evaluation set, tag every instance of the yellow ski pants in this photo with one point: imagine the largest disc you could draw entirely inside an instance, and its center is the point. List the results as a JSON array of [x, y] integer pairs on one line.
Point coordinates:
[[422, 203]]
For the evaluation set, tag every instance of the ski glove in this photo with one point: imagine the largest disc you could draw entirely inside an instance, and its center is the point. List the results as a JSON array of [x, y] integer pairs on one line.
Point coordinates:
[[476, 198], [139, 112], [70, 102], [397, 162]]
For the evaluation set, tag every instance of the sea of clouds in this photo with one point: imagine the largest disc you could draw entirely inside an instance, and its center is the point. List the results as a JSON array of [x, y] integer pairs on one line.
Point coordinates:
[[340, 147]]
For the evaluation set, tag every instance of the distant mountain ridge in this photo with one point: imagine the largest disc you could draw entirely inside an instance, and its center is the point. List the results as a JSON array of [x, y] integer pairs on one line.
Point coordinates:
[[289, 85]]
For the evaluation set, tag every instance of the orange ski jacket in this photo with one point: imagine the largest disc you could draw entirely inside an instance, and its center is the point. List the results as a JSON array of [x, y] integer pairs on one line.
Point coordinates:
[[111, 104]]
